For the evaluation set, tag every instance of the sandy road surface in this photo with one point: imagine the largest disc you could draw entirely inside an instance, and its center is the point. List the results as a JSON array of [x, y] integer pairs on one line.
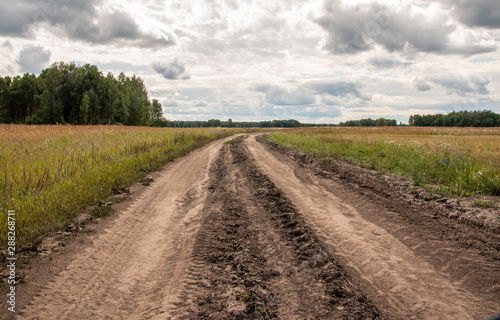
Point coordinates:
[[133, 270], [239, 231], [403, 281]]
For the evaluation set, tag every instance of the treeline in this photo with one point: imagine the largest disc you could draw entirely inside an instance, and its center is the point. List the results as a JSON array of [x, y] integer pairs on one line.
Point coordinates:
[[67, 93], [233, 124], [381, 122], [484, 118]]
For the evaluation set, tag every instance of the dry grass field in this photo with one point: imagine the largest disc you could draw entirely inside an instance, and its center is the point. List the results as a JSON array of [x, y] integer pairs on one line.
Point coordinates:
[[49, 173]]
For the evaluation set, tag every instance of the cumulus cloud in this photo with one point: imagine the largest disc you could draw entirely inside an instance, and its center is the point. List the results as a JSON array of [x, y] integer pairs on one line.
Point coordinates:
[[16, 17], [172, 70], [387, 63], [476, 13], [340, 89], [358, 28], [281, 96], [421, 84], [79, 20], [328, 93], [33, 58], [460, 85]]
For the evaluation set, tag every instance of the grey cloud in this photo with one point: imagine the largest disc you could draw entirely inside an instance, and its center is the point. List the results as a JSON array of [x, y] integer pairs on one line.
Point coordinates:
[[476, 13], [354, 29], [78, 20], [33, 59], [387, 63], [480, 85], [18, 17], [173, 70], [332, 93], [421, 84], [345, 28], [340, 89], [460, 85], [280, 96], [118, 26]]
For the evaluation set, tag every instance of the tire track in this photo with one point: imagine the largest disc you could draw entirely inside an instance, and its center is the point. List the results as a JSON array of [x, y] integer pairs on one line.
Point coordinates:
[[255, 258], [403, 283], [133, 270]]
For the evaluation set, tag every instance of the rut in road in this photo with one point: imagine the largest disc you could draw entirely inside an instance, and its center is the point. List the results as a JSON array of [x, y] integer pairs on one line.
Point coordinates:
[[255, 258]]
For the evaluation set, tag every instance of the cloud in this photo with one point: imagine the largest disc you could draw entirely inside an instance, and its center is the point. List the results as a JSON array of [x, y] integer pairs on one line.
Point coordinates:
[[421, 84], [340, 89], [117, 27], [387, 63], [460, 85], [328, 93], [11, 14], [479, 85], [281, 96], [173, 70], [18, 17], [358, 28], [79, 20], [33, 58], [476, 13]]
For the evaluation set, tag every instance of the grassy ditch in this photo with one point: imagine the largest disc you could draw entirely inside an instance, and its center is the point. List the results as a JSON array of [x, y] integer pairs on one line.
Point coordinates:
[[49, 173], [446, 165]]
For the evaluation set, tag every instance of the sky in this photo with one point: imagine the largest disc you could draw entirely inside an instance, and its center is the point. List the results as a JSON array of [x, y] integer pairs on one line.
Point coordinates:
[[317, 61]]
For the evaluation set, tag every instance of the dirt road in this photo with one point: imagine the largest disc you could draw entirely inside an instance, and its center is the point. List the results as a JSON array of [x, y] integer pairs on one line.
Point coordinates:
[[237, 230]]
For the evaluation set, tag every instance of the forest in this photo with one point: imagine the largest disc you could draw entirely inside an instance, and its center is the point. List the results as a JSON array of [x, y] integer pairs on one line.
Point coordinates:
[[484, 118], [66, 93], [381, 122]]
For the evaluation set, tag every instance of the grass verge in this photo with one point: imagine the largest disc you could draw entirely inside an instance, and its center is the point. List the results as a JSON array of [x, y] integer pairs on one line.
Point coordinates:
[[445, 168]]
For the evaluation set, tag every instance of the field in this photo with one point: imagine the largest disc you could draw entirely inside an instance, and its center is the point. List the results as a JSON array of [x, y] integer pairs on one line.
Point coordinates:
[[458, 161], [49, 173]]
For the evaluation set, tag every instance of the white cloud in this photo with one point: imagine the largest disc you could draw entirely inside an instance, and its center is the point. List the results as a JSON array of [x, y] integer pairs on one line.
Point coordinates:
[[33, 58]]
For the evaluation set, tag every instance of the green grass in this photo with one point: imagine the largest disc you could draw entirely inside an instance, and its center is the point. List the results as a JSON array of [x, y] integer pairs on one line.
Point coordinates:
[[48, 174], [448, 169]]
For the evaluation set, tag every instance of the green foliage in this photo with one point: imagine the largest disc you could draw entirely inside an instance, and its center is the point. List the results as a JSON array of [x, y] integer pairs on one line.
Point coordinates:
[[381, 122], [484, 118], [233, 124], [456, 172], [67, 93]]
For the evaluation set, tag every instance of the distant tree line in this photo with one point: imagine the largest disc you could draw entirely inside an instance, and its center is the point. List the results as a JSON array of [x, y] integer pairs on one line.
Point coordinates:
[[233, 124], [67, 93], [381, 122], [484, 118]]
